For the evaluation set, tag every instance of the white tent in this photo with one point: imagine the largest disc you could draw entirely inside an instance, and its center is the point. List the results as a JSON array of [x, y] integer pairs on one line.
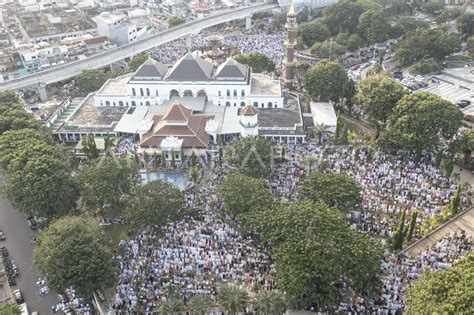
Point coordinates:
[[324, 113]]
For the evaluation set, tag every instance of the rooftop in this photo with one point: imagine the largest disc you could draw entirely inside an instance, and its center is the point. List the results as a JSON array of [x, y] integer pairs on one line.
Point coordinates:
[[117, 86], [262, 84], [278, 117]]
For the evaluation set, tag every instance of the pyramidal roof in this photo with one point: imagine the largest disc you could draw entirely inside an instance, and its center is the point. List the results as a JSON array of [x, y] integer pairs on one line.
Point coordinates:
[[231, 70], [190, 68], [249, 110], [177, 112], [151, 69]]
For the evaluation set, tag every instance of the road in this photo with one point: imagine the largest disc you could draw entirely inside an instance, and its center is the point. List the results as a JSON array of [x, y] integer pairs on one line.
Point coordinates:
[[18, 244]]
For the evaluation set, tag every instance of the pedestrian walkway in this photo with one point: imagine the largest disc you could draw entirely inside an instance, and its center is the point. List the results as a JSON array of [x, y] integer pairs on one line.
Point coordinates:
[[464, 221], [75, 102]]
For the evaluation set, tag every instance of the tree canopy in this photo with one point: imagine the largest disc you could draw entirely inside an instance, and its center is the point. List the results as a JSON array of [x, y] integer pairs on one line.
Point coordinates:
[[175, 21], [257, 61], [373, 26], [155, 204], [327, 81], [137, 61], [328, 49], [465, 23], [9, 309], [464, 144], [336, 190], [313, 32], [443, 292], [106, 182], [378, 95], [244, 194], [253, 156], [313, 247], [343, 16], [92, 79], [420, 120], [72, 252]]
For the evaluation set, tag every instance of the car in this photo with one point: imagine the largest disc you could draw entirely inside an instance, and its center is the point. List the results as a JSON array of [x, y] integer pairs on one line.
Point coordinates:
[[2, 236], [32, 223], [419, 78], [18, 296]]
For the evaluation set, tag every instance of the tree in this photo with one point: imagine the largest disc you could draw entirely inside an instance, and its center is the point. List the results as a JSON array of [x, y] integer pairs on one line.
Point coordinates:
[[432, 7], [257, 61], [455, 204], [72, 252], [11, 140], [303, 238], [109, 144], [89, 147], [106, 182], [324, 81], [443, 292], [319, 130], [232, 298], [351, 42], [155, 204], [465, 24], [200, 304], [378, 95], [301, 67], [399, 235], [92, 79], [39, 181], [137, 61], [328, 49], [313, 32], [409, 24], [420, 119], [448, 167], [9, 309], [253, 156], [450, 14], [244, 194], [172, 306], [175, 21], [343, 16], [9, 97], [269, 303], [411, 227], [336, 190], [373, 26], [464, 144], [14, 117], [470, 46], [195, 175]]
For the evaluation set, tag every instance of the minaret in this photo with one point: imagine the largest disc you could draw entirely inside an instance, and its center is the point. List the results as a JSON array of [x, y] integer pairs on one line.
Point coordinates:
[[290, 43]]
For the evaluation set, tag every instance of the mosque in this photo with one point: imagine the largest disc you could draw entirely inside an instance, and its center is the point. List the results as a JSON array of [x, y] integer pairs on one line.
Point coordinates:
[[187, 106]]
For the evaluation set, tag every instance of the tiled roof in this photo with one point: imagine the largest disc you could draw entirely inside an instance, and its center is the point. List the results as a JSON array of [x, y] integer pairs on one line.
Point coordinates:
[[249, 110], [190, 68], [231, 70], [151, 69], [177, 112]]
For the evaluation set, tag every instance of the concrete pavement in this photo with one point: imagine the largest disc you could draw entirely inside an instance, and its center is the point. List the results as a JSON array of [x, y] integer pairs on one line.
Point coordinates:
[[18, 240]]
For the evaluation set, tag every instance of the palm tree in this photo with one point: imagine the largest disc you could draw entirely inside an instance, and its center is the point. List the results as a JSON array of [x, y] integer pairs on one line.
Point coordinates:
[[319, 130], [269, 303], [89, 147], [200, 304], [232, 298], [172, 306], [109, 144], [195, 175]]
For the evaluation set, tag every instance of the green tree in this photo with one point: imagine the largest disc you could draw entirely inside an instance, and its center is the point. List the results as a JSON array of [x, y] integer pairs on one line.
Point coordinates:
[[324, 81], [9, 309], [109, 144], [411, 227], [409, 24], [399, 235], [72, 252], [106, 182], [11, 140], [89, 147], [39, 181], [464, 144], [313, 32], [328, 49], [470, 46], [455, 203], [195, 175], [253, 156], [92, 79], [448, 167], [351, 42], [420, 120], [137, 61], [9, 97], [432, 7], [336, 190], [319, 130], [257, 61], [465, 24], [232, 298], [155, 204], [175, 21], [303, 238], [450, 14], [269, 303], [200, 304], [244, 194], [378, 95], [301, 67], [443, 292], [373, 26], [14, 117], [343, 16]]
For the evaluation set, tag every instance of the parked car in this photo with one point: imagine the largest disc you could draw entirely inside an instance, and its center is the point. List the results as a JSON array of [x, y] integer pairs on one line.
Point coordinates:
[[32, 223], [18, 296], [2, 236]]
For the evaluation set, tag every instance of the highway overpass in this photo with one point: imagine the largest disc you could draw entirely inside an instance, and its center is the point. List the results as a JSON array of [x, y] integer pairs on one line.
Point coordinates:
[[66, 71]]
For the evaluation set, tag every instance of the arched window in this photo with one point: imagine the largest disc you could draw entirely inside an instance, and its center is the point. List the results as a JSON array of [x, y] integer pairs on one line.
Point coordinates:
[[227, 103], [242, 104], [235, 104], [219, 103], [242, 93], [113, 103], [235, 93], [270, 105], [141, 91], [147, 92], [220, 93], [133, 103], [147, 103], [255, 104], [228, 93], [134, 93], [107, 103]]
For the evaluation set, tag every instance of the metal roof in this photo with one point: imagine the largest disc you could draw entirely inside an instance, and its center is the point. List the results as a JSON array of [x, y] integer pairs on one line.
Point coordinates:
[[190, 68]]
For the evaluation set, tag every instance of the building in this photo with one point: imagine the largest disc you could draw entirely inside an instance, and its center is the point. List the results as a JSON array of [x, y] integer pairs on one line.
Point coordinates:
[[290, 44], [116, 27]]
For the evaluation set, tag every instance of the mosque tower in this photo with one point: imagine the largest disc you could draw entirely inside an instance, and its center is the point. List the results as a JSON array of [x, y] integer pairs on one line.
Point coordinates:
[[290, 44]]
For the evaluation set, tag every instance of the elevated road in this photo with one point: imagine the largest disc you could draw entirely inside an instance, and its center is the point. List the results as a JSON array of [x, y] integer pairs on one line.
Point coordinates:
[[108, 57]]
